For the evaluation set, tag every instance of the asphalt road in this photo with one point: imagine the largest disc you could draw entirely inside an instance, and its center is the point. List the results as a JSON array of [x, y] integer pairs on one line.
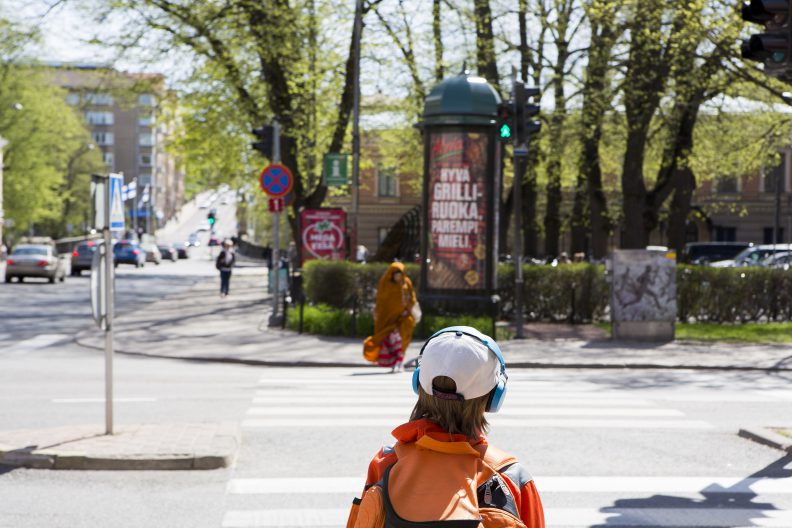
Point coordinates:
[[606, 447]]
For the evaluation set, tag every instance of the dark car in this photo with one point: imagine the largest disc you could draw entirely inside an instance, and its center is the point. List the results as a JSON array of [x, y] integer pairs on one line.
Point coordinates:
[[214, 240], [183, 252], [705, 252], [168, 252], [129, 252], [82, 256]]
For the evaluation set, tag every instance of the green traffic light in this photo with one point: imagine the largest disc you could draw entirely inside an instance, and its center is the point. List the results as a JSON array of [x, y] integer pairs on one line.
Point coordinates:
[[505, 131]]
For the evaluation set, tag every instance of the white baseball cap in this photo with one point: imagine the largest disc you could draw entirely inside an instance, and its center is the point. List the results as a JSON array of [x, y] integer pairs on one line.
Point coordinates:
[[464, 359]]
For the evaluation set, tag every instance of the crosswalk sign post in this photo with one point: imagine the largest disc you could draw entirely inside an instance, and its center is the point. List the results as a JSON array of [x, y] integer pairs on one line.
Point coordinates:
[[109, 209]]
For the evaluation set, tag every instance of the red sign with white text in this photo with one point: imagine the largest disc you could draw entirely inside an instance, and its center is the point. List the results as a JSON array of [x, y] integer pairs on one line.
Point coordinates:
[[323, 234]]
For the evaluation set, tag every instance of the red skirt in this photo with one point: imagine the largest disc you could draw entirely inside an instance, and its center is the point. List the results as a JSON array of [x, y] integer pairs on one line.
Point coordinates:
[[391, 351]]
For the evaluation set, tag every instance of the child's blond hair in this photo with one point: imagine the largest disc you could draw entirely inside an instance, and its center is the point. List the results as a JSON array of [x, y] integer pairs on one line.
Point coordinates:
[[455, 417]]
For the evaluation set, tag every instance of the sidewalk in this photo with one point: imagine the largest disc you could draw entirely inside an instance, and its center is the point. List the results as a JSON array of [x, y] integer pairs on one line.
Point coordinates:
[[198, 325]]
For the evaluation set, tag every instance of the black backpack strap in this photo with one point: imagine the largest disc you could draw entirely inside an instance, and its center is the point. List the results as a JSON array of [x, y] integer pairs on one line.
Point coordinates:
[[392, 519]]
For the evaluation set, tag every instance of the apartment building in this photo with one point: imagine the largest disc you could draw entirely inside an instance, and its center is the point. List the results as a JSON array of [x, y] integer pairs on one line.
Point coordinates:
[[131, 125]]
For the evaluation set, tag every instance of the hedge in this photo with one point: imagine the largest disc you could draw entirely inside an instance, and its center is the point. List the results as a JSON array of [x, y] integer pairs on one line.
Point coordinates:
[[580, 292]]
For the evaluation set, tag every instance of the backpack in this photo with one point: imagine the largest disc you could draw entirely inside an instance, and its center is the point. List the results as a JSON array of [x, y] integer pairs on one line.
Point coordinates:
[[429, 488]]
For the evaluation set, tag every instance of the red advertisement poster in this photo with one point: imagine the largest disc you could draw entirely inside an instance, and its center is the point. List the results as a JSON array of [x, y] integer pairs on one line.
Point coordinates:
[[457, 211], [323, 234]]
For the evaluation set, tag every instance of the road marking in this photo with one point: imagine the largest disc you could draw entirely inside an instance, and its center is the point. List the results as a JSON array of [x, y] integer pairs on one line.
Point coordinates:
[[570, 517], [399, 411], [35, 343], [333, 399], [588, 484], [496, 422], [102, 400]]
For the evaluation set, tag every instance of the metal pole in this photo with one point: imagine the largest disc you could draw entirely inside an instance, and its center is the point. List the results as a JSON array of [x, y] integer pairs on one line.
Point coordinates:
[[3, 143], [276, 158], [358, 29], [519, 163], [777, 223], [108, 277]]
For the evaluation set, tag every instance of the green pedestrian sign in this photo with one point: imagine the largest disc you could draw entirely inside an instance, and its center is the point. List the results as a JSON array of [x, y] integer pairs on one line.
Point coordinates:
[[335, 170]]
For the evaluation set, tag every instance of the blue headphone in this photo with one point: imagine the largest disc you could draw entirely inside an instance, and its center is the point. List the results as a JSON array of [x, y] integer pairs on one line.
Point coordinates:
[[498, 393]]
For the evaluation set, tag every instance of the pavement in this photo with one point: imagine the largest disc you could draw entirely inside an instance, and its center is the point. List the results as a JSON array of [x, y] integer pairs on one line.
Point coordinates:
[[199, 325]]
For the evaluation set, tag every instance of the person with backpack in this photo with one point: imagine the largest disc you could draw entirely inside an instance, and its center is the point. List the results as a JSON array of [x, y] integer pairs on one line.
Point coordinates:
[[442, 472], [225, 263]]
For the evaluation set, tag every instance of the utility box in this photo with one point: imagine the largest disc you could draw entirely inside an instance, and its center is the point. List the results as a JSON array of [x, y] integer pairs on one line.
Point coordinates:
[[643, 294], [461, 189]]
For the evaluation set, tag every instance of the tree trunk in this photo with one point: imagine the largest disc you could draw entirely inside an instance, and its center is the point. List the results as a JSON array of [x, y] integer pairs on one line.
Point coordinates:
[[437, 38], [485, 43], [578, 227], [685, 185], [530, 196]]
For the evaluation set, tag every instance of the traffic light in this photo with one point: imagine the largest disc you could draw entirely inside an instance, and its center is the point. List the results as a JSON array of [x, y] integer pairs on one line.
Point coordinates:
[[211, 218], [266, 139], [524, 112], [774, 47], [505, 120]]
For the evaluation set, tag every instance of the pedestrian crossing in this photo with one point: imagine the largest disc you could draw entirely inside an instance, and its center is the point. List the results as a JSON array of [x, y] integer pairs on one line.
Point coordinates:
[[280, 406], [20, 348]]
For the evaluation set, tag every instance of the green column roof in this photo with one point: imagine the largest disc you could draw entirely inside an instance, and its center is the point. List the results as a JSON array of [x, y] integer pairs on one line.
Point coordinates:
[[462, 100]]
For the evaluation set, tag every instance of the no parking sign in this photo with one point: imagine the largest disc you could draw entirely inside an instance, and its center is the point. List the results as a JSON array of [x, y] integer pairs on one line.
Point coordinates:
[[276, 180]]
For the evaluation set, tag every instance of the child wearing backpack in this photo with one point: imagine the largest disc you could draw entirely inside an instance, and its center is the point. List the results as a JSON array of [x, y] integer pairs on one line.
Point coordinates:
[[441, 472]]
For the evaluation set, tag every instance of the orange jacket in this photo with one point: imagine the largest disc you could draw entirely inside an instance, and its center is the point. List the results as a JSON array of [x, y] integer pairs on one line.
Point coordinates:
[[427, 434]]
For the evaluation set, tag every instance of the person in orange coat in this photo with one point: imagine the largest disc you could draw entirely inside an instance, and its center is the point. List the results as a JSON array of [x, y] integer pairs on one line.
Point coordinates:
[[393, 320], [441, 467]]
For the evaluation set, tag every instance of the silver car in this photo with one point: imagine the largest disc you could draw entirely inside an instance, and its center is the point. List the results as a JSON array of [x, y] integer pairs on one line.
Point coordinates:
[[33, 260]]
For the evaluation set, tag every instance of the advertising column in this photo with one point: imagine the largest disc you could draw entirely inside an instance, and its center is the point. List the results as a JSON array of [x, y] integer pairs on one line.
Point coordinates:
[[458, 205]]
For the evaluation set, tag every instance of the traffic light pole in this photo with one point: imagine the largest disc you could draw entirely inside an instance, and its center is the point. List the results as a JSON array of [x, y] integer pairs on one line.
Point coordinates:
[[519, 163], [276, 158]]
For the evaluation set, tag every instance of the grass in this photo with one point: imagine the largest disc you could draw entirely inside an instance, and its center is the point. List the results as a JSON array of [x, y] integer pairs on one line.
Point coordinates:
[[767, 333], [329, 321]]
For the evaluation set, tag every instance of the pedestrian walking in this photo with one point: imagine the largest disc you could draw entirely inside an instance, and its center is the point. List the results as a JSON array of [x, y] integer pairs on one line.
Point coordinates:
[[395, 315], [441, 467], [225, 263]]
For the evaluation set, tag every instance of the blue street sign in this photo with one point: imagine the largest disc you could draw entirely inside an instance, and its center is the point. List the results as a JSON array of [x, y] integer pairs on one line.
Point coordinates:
[[116, 204]]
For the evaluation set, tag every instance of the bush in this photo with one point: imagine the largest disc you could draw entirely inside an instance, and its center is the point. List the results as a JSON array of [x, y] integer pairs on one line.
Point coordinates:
[[568, 292], [337, 283]]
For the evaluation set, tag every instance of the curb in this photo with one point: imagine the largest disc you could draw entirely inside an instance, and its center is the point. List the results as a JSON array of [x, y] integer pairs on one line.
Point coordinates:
[[768, 437], [203, 459], [517, 364]]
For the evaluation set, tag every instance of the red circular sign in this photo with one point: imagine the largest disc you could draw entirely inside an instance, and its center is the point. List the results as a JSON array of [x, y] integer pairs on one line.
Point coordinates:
[[276, 180]]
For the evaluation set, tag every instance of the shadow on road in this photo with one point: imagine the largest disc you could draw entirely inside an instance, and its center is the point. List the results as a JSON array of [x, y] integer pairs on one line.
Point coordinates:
[[721, 507]]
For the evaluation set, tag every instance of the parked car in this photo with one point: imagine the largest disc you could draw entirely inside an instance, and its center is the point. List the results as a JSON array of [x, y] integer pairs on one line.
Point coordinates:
[[152, 252], [35, 260], [82, 257], [203, 226], [704, 253], [192, 240], [753, 256], [129, 252], [183, 252], [214, 240], [778, 260], [168, 252]]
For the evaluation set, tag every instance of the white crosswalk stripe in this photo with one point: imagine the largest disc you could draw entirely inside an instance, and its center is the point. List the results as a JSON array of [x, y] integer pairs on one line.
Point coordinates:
[[29, 345], [380, 403]]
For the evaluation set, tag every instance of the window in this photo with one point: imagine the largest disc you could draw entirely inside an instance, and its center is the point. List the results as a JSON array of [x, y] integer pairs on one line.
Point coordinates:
[[99, 99], [768, 235], [727, 185], [146, 120], [109, 159], [145, 160], [144, 179], [146, 140], [771, 177], [146, 100], [73, 99], [725, 234], [387, 183], [103, 138], [99, 118]]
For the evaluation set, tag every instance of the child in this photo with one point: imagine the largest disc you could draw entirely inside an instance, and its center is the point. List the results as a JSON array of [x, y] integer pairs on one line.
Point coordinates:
[[441, 467]]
